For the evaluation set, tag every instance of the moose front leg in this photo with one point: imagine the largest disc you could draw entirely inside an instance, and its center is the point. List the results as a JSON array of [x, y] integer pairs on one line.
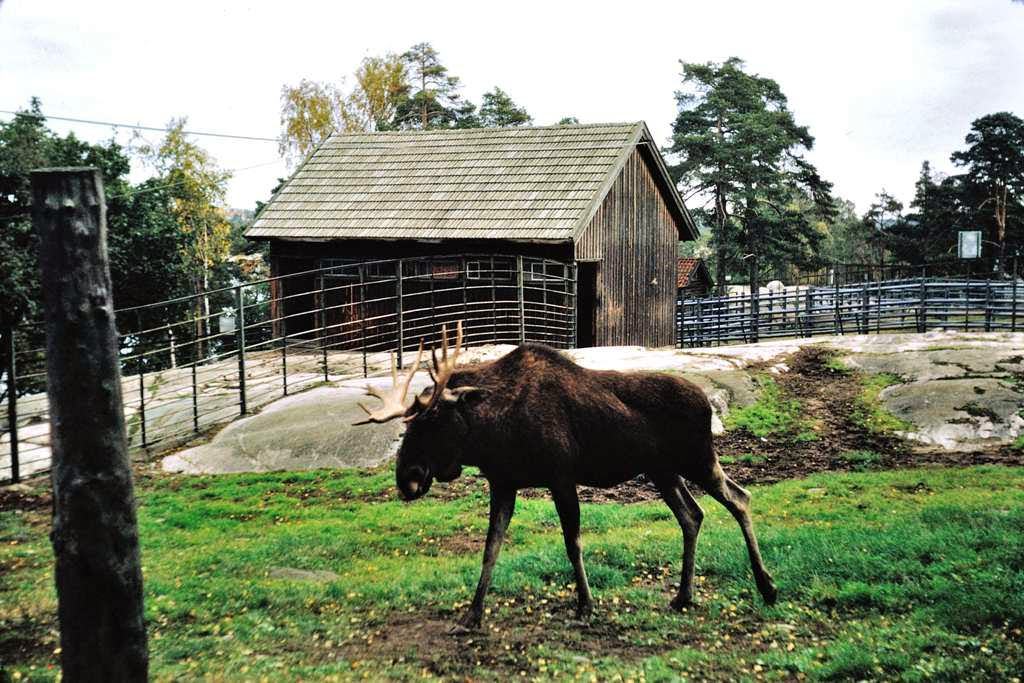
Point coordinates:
[[503, 502], [567, 503]]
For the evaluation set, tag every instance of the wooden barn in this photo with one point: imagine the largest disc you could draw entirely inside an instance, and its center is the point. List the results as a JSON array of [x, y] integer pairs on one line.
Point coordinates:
[[597, 196]]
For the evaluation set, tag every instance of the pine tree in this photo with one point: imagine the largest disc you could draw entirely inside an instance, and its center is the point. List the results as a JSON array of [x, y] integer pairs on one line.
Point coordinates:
[[740, 149]]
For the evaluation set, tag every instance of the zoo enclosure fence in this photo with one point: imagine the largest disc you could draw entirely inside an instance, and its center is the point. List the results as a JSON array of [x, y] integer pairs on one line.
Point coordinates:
[[937, 298], [192, 363]]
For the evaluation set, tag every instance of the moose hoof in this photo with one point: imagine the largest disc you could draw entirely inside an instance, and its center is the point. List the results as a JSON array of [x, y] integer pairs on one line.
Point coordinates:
[[681, 601], [466, 625], [584, 612]]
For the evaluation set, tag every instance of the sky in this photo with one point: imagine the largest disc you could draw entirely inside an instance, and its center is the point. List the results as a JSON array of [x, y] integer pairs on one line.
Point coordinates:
[[882, 86]]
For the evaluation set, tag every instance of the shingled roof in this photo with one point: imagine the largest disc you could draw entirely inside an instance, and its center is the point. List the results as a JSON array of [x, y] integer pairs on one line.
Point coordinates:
[[542, 183]]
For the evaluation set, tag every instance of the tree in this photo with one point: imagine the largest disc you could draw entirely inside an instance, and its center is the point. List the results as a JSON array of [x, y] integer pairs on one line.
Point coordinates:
[[740, 149], [940, 207], [310, 112], [497, 109], [197, 188], [141, 230], [883, 217], [568, 121], [434, 100], [381, 83], [994, 163], [846, 235]]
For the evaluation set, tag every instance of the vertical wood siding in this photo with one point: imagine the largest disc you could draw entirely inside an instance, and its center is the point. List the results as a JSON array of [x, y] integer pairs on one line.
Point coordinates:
[[634, 237]]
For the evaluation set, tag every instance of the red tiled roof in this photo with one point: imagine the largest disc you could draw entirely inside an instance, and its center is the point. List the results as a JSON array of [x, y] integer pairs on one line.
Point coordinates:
[[686, 270]]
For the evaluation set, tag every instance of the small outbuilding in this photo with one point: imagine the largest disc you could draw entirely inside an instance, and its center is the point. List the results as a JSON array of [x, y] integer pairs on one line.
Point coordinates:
[[693, 279], [597, 198]]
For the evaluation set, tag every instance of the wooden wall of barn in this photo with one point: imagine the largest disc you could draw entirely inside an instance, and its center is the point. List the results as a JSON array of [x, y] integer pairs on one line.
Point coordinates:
[[634, 237]]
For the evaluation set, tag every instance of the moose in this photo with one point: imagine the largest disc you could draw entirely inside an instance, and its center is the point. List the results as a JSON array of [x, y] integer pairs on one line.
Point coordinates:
[[533, 418]]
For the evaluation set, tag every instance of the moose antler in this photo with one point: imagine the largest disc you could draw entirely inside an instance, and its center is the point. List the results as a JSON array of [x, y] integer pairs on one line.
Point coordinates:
[[442, 371], [394, 400]]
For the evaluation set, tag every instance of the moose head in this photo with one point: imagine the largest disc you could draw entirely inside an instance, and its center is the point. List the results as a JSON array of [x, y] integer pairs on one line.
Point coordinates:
[[435, 426]]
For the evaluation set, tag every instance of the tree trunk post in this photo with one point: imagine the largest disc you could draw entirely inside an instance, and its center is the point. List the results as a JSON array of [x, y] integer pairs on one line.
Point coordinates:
[[12, 408], [95, 536], [1013, 299]]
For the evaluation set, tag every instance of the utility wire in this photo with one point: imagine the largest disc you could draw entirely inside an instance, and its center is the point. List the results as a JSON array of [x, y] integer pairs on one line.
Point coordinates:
[[136, 127], [153, 188]]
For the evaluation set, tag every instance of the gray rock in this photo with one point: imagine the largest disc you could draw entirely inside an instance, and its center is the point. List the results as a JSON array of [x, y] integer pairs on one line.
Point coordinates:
[[306, 575]]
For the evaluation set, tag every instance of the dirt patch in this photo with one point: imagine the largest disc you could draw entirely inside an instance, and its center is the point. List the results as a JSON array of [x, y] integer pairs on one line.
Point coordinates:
[[25, 498], [502, 647]]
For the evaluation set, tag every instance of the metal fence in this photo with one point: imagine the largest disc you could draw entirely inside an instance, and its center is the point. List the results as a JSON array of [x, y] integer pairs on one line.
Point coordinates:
[[916, 304], [192, 363], [858, 273]]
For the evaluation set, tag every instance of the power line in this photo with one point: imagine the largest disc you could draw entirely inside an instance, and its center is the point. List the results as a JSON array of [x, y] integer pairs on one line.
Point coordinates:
[[136, 127], [154, 188]]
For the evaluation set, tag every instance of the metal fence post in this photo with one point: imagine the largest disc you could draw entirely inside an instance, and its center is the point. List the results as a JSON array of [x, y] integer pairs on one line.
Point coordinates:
[[362, 317], [1013, 297], [835, 302], [12, 409], [399, 311], [195, 398], [522, 299], [323, 323], [142, 400], [574, 309], [494, 304], [988, 305], [923, 326], [240, 342], [284, 363], [465, 295]]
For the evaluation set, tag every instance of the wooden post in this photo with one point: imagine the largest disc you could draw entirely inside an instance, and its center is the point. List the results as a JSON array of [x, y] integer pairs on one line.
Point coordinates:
[[95, 536], [240, 344], [12, 408]]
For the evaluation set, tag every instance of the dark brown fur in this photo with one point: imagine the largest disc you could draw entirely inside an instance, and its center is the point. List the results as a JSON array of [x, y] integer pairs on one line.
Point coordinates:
[[540, 420]]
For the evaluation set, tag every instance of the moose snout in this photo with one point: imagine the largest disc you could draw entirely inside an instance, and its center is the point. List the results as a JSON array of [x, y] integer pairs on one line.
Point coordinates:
[[413, 483]]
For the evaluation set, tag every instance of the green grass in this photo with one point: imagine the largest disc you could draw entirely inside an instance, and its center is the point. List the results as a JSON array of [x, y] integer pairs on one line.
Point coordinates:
[[1018, 443], [861, 459], [836, 365], [908, 574], [774, 413], [869, 412]]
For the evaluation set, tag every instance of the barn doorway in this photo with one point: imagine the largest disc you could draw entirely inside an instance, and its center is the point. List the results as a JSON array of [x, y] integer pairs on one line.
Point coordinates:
[[586, 303]]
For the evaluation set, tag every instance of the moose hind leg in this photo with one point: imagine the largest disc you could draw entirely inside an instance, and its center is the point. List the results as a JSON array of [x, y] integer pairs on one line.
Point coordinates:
[[689, 515], [567, 503], [736, 500], [503, 503]]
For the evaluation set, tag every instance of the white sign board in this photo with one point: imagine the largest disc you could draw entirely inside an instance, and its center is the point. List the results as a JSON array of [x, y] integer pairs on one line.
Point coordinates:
[[969, 244]]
